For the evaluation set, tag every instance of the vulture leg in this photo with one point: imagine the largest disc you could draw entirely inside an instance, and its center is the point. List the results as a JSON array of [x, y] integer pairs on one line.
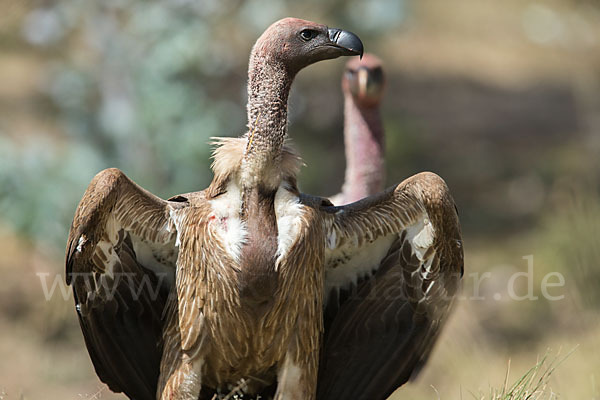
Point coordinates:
[[297, 377]]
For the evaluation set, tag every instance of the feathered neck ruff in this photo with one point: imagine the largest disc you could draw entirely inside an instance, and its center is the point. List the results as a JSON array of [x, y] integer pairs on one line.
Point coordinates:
[[227, 160]]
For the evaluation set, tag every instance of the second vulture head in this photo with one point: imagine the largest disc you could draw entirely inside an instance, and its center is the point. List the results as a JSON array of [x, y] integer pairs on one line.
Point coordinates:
[[297, 43], [364, 80]]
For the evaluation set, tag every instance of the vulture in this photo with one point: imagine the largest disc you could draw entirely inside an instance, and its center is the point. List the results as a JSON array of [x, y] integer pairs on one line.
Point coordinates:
[[362, 84], [251, 284]]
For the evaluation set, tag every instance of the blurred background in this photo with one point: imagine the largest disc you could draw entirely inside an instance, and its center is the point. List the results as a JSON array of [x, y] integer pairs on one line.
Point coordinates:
[[501, 98]]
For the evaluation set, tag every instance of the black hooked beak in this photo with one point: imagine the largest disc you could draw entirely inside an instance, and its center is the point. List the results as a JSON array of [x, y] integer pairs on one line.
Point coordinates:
[[346, 40]]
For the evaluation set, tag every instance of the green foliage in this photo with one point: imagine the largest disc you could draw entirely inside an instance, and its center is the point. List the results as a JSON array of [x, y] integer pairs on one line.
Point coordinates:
[[34, 181]]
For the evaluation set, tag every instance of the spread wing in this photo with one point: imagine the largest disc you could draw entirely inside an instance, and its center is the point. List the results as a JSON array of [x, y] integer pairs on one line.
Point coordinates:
[[393, 266], [120, 260]]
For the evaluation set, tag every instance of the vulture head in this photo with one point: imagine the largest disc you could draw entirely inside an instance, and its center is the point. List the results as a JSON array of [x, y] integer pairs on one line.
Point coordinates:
[[296, 43], [364, 80], [278, 55]]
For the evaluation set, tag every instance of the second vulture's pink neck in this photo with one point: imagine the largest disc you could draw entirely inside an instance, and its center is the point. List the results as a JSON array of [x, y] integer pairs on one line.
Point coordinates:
[[364, 144]]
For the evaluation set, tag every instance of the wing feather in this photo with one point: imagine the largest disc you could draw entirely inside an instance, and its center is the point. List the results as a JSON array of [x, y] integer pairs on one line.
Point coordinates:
[[393, 267], [120, 259]]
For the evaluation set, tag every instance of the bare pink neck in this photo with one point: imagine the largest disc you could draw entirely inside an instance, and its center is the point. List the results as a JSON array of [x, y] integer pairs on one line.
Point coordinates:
[[269, 85], [364, 143]]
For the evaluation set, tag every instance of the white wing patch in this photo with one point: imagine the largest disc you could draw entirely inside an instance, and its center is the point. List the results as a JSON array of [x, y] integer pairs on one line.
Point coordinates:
[[154, 257], [288, 212], [106, 253], [177, 219], [104, 249], [421, 236], [226, 219], [81, 242], [154, 260], [347, 263]]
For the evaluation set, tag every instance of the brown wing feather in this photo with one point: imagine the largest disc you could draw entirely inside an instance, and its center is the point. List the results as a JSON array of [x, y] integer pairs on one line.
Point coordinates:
[[382, 321], [119, 294]]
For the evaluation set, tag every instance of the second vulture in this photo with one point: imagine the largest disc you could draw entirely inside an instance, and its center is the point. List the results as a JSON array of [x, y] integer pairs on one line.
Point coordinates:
[[272, 288], [364, 142]]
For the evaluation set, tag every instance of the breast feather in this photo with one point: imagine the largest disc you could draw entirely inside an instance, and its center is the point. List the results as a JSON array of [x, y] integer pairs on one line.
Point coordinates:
[[226, 222], [288, 212]]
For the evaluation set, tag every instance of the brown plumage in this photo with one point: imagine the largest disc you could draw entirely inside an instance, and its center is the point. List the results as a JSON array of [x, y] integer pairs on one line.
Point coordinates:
[[397, 267], [363, 83], [256, 263]]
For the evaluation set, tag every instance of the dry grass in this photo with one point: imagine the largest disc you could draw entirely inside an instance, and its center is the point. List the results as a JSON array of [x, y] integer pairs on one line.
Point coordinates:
[[533, 385]]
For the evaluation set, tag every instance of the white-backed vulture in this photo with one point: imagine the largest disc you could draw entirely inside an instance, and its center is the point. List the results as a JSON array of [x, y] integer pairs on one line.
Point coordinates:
[[256, 263], [364, 142]]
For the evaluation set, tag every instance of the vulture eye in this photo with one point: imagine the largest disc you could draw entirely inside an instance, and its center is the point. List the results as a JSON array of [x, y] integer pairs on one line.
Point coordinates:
[[308, 34]]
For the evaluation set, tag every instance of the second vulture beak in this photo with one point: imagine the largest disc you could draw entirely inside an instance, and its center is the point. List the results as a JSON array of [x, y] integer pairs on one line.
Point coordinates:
[[346, 40]]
